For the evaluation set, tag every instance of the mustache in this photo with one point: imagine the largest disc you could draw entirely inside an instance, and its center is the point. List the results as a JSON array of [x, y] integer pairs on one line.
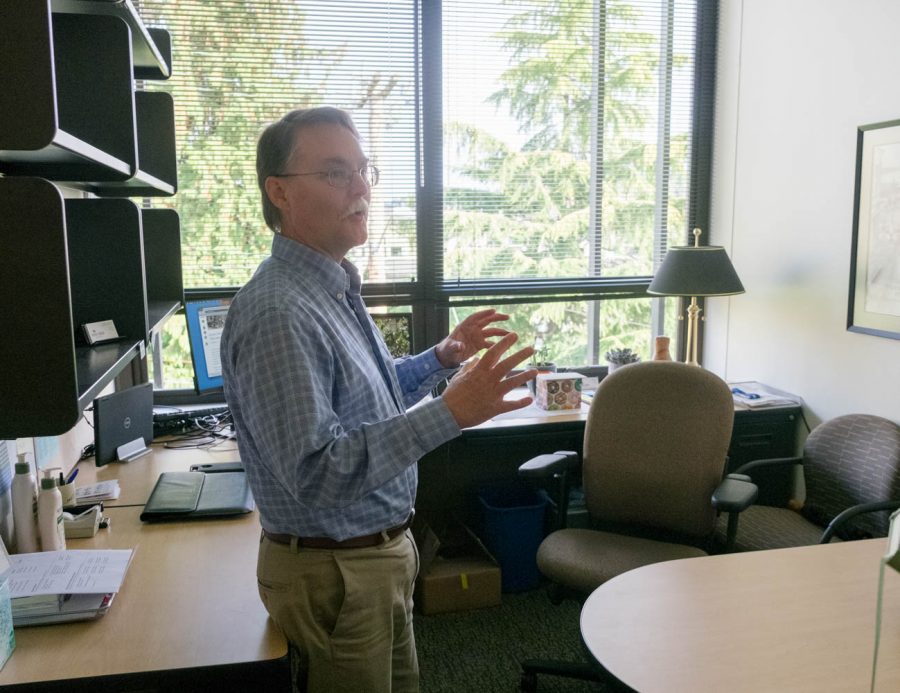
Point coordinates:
[[359, 205]]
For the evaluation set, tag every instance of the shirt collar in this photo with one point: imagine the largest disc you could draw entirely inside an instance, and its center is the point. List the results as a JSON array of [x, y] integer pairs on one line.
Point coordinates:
[[337, 279]]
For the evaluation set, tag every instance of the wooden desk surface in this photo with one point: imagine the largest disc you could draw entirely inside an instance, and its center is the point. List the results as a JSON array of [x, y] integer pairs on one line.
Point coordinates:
[[137, 478], [534, 416], [528, 416], [786, 620], [189, 599]]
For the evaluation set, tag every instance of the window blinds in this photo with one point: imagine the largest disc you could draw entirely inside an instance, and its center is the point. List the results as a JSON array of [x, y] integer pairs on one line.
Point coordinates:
[[566, 143], [563, 145], [240, 64]]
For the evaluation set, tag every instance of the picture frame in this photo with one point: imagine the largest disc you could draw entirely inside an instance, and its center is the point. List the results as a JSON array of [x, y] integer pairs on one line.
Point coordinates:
[[874, 302]]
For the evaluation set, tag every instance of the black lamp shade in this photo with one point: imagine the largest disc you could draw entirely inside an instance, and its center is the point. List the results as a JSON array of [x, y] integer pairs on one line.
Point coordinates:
[[696, 271]]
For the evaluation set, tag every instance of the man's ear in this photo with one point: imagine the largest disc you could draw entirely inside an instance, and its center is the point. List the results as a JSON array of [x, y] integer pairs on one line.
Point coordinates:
[[277, 192]]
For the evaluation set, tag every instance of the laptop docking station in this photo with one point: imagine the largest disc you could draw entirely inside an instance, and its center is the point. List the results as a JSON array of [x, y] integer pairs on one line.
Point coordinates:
[[131, 451]]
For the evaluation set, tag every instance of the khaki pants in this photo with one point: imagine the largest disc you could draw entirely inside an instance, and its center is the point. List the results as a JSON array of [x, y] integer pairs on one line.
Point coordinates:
[[348, 612]]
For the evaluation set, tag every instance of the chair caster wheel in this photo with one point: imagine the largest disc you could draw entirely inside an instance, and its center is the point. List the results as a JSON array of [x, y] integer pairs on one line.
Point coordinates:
[[528, 682]]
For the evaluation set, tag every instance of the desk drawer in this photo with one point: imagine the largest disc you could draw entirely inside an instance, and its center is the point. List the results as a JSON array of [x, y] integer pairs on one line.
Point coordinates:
[[765, 434]]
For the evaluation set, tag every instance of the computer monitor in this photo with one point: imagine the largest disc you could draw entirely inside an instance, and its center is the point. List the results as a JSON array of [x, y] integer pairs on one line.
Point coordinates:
[[205, 320]]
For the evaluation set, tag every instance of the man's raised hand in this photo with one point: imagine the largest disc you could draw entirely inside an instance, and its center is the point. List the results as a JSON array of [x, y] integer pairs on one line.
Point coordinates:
[[476, 394]]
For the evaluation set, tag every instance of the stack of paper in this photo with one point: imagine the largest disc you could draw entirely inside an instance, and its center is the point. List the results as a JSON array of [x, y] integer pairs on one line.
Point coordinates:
[[59, 608], [753, 395], [59, 586], [104, 490]]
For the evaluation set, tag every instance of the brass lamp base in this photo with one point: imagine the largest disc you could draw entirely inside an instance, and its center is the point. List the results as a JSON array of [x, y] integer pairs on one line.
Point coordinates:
[[690, 352]]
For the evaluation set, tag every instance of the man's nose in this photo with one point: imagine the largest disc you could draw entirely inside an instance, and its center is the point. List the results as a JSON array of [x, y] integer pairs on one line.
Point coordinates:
[[358, 184]]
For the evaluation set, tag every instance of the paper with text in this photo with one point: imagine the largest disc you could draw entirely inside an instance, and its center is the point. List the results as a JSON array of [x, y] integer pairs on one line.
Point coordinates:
[[68, 572]]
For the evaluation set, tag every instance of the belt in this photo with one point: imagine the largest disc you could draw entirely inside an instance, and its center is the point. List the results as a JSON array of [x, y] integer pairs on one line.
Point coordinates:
[[362, 542]]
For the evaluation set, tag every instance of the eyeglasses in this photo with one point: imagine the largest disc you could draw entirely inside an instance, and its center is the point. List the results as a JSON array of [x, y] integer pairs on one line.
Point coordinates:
[[341, 177]]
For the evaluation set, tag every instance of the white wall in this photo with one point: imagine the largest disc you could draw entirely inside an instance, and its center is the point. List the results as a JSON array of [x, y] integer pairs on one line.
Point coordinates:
[[796, 78]]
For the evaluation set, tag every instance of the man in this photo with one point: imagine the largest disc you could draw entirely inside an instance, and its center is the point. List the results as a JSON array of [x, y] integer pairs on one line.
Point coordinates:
[[320, 411]]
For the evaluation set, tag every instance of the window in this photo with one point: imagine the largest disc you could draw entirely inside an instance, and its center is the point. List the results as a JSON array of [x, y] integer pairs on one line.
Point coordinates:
[[538, 156]]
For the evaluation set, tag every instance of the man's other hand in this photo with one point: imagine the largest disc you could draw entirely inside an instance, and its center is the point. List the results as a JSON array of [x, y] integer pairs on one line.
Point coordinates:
[[476, 393], [470, 337]]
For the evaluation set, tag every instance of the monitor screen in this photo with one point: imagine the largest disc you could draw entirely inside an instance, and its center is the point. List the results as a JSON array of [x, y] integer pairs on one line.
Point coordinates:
[[205, 320]]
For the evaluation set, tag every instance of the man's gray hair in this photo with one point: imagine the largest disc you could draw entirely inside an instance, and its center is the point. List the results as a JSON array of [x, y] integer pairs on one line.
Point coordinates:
[[275, 149]]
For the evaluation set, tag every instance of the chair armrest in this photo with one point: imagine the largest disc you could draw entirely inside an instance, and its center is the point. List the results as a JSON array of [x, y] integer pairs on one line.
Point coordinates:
[[545, 466], [734, 494], [555, 467], [772, 462], [741, 477], [853, 511]]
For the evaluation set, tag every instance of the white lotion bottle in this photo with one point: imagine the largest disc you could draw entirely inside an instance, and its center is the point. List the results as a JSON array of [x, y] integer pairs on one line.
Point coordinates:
[[50, 514], [24, 502]]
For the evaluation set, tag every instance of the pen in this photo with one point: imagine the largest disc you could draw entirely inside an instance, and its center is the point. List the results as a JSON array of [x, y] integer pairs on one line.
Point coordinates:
[[746, 395], [72, 476]]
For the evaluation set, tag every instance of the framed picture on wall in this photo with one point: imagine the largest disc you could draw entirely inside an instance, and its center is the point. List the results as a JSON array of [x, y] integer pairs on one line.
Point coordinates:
[[874, 306]]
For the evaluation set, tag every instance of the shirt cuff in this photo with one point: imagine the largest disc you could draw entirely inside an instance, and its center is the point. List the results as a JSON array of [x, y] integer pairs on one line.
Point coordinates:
[[433, 423], [429, 356], [425, 365]]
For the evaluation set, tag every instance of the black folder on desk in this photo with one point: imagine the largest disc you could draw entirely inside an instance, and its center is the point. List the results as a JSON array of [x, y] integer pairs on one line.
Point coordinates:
[[195, 495]]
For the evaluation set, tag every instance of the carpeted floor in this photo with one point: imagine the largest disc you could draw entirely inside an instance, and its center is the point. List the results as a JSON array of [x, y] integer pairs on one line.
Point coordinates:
[[479, 651]]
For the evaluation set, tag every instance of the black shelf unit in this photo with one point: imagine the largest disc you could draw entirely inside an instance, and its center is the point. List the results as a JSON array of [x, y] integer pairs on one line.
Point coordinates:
[[151, 55], [155, 138], [106, 265], [162, 256], [67, 105], [71, 113], [70, 118]]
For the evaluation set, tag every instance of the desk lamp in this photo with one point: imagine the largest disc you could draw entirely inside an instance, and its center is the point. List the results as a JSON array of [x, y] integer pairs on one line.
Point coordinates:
[[695, 271]]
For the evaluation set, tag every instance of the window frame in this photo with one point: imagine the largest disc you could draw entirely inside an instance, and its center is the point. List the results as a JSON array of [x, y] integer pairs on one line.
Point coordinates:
[[431, 296]]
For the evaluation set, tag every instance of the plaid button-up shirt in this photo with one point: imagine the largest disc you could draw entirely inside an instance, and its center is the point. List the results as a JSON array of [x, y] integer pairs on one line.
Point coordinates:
[[327, 450]]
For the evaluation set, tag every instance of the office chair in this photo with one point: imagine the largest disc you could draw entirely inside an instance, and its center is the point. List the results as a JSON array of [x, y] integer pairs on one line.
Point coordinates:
[[851, 468], [655, 447]]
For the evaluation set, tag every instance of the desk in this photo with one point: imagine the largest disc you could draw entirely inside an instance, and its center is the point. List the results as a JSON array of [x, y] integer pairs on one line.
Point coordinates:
[[800, 619], [492, 452], [188, 615], [137, 478]]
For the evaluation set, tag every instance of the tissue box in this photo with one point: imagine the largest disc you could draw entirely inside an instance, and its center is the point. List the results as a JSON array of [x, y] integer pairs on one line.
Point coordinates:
[[555, 391]]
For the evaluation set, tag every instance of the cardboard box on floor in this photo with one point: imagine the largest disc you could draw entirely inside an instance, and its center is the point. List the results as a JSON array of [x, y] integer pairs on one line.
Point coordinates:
[[456, 571]]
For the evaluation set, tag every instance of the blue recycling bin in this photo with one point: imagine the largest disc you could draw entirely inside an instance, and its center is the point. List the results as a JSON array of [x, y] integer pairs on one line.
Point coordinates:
[[513, 530]]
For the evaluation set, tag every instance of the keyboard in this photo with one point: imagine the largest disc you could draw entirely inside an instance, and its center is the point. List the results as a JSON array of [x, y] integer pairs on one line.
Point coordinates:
[[190, 414]]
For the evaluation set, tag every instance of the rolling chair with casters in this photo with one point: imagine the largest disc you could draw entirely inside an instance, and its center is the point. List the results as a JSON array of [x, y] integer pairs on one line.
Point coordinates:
[[851, 469], [655, 447]]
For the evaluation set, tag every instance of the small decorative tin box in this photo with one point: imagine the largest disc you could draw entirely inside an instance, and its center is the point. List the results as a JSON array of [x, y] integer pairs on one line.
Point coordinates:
[[554, 391]]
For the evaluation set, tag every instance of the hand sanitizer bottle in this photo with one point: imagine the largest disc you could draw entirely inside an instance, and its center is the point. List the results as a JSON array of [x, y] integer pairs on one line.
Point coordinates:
[[24, 501], [50, 514]]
